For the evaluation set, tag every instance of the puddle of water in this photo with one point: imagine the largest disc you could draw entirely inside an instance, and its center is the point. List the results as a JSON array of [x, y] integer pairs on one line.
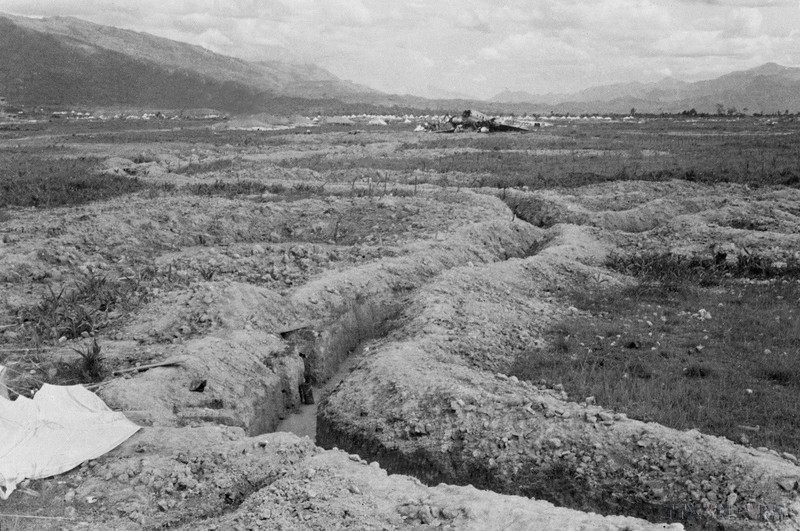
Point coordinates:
[[303, 422]]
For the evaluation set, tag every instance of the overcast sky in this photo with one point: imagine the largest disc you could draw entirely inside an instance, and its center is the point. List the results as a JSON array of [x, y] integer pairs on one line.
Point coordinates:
[[473, 47]]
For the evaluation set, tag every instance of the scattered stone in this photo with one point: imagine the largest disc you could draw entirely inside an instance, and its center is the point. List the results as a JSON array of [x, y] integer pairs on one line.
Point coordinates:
[[197, 385], [554, 442], [731, 499], [425, 515]]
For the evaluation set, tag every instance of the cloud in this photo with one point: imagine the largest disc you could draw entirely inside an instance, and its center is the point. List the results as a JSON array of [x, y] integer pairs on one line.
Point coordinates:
[[477, 46], [742, 3]]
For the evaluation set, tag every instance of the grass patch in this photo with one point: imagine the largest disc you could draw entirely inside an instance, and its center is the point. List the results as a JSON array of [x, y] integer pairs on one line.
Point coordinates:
[[565, 157], [667, 271], [232, 189], [30, 181], [723, 358]]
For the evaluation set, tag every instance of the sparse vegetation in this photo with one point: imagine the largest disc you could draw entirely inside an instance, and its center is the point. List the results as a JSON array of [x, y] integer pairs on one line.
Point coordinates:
[[231, 189], [28, 180], [672, 272], [716, 356], [80, 310], [592, 153]]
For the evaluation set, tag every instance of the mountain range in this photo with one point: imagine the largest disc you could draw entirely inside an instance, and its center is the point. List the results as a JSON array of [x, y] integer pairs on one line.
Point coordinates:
[[768, 88], [64, 61], [68, 61]]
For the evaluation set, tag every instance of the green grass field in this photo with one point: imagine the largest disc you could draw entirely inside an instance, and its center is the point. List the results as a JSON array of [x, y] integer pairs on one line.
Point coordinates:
[[689, 346]]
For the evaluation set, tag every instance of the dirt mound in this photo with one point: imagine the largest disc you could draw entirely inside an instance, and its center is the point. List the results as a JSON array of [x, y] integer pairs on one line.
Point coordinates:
[[216, 478], [252, 296], [427, 404]]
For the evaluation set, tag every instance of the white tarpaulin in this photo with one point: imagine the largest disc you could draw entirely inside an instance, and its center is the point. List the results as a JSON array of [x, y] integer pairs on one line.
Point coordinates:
[[57, 430]]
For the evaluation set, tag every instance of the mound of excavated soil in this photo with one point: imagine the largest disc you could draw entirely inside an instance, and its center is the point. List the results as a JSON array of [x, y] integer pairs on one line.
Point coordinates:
[[216, 478], [254, 296]]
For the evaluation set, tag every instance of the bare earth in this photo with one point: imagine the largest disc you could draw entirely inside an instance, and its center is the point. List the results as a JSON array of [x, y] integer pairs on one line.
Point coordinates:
[[440, 289]]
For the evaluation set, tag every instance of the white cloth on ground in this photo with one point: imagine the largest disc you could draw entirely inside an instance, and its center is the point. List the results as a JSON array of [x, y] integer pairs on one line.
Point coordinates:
[[57, 430]]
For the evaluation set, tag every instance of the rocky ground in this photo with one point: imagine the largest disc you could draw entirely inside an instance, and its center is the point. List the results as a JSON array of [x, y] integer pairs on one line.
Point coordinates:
[[440, 287]]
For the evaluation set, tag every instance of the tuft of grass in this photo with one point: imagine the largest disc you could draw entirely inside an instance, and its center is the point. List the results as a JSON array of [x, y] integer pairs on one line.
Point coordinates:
[[92, 364], [713, 358]]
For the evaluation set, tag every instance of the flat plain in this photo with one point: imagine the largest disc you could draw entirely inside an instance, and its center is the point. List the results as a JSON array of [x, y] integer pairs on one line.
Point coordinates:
[[599, 315]]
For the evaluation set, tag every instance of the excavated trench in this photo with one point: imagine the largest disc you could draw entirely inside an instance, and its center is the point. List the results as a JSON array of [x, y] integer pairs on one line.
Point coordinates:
[[418, 410], [330, 352]]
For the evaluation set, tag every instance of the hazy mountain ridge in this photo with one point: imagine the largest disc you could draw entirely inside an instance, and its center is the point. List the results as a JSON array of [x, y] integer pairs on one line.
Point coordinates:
[[63, 60], [767, 88], [67, 61]]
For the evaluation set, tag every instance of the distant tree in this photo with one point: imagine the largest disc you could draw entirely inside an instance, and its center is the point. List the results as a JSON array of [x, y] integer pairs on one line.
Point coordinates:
[[732, 111], [720, 109], [744, 111], [633, 111], [690, 112]]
